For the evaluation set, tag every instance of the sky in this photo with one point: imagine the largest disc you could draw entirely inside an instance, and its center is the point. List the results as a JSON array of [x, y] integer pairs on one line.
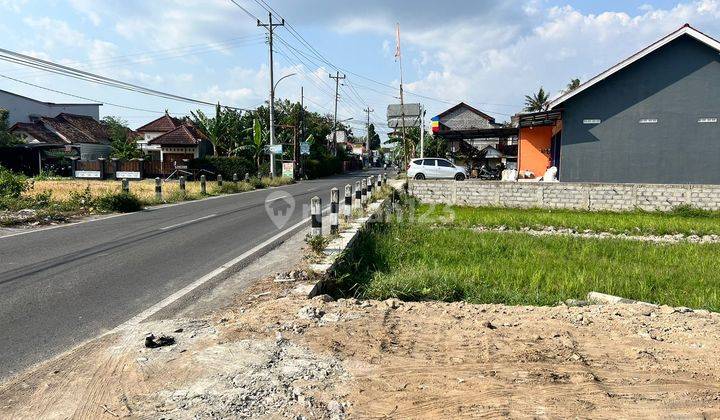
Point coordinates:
[[487, 54]]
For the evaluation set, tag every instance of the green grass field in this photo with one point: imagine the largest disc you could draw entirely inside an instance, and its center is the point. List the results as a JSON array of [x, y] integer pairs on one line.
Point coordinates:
[[683, 220], [412, 262]]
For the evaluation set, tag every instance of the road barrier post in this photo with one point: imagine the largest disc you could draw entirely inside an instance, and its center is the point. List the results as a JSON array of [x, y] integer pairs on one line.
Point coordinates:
[[384, 178], [203, 187], [315, 216], [126, 186], [334, 210], [236, 179], [158, 189], [369, 188], [357, 204], [347, 210], [363, 184], [379, 182], [181, 181], [219, 181], [247, 176]]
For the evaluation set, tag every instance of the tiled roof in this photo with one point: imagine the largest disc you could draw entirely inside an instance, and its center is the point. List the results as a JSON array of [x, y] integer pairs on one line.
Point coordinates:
[[88, 125], [161, 125], [184, 135], [37, 131]]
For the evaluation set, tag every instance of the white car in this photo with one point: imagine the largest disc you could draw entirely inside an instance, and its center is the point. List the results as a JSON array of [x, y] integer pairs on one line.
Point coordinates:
[[435, 168]]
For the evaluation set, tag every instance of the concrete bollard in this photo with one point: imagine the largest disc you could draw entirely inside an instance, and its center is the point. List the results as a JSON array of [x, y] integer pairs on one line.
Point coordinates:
[[315, 216], [219, 180], [379, 182], [125, 186], [203, 187], [357, 204], [363, 184], [334, 211], [347, 209], [247, 176], [236, 179], [384, 178], [181, 181], [158, 189], [369, 188]]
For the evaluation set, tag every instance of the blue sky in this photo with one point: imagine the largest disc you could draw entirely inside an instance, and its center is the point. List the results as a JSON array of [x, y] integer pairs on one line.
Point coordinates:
[[488, 54]]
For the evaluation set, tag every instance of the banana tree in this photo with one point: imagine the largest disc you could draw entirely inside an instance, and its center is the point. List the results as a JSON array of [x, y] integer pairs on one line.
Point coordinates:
[[214, 128], [258, 142]]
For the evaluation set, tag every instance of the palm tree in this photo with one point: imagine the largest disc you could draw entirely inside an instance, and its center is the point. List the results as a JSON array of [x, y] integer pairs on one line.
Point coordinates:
[[539, 101], [574, 84], [258, 144]]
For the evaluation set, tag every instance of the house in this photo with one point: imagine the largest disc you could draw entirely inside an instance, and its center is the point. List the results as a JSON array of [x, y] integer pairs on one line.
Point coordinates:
[[172, 141], [652, 118], [469, 131], [88, 137], [23, 109]]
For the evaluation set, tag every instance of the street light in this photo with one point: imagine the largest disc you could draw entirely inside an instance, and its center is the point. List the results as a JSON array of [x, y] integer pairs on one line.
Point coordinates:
[[280, 80], [272, 119]]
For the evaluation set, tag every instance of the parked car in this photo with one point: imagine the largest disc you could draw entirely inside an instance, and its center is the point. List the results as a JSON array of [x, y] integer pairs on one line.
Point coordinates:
[[435, 168]]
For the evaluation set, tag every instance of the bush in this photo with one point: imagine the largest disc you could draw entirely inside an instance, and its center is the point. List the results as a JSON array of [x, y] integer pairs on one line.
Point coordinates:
[[119, 202], [226, 166], [12, 184]]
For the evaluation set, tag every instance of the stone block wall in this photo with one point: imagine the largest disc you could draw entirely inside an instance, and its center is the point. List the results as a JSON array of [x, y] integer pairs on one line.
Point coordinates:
[[566, 195]]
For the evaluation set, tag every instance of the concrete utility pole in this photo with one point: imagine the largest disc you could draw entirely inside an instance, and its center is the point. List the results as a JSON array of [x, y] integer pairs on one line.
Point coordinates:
[[368, 110], [422, 132], [337, 78], [271, 27]]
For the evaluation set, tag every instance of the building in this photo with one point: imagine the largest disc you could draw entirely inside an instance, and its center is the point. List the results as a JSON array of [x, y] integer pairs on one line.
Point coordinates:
[[173, 141], [82, 135], [652, 118], [23, 109], [469, 132]]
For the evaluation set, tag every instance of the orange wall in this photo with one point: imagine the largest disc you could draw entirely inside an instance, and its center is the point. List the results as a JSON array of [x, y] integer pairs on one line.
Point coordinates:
[[534, 150]]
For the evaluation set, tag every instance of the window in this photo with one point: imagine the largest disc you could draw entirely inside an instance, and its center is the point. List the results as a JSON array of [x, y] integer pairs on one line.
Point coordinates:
[[444, 163], [648, 121], [708, 120], [429, 162], [591, 121], [418, 161]]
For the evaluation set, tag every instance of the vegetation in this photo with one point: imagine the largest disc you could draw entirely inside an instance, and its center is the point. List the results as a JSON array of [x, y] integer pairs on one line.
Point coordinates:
[[572, 85], [121, 202], [123, 141], [12, 184], [6, 137], [683, 220], [539, 101]]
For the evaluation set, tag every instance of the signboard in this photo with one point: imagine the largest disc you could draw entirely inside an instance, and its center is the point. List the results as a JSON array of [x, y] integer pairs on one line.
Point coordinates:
[[127, 174], [275, 149], [407, 110], [288, 170], [87, 174], [409, 122], [304, 148]]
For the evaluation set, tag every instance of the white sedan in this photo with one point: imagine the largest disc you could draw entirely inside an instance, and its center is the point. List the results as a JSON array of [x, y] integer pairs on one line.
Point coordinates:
[[435, 168]]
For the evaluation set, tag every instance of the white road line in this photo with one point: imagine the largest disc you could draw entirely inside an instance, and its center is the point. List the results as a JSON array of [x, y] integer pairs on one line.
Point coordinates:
[[188, 222]]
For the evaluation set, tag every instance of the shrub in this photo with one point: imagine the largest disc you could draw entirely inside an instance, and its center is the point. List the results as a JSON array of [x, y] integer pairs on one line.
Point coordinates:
[[317, 243], [119, 202], [276, 182], [12, 184], [225, 166]]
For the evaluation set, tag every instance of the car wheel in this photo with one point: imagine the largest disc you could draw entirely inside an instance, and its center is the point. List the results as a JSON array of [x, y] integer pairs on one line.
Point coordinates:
[[459, 177], [420, 176]]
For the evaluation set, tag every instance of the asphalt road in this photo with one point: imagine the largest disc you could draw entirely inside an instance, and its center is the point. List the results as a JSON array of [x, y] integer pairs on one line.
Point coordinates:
[[62, 286]]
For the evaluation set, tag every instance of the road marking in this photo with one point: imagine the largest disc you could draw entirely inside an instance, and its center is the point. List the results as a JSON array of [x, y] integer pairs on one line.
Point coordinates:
[[189, 222]]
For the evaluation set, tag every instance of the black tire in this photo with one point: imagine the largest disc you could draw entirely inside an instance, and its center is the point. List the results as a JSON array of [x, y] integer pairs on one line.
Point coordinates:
[[419, 177], [459, 177]]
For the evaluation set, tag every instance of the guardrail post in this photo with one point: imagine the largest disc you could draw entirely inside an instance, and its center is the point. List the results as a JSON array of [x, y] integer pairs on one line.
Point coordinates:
[[363, 184], [141, 167], [158, 189], [334, 211], [357, 204], [203, 187], [247, 177], [384, 178], [236, 179], [181, 180], [125, 186], [219, 180], [347, 210], [315, 216], [379, 181], [369, 188]]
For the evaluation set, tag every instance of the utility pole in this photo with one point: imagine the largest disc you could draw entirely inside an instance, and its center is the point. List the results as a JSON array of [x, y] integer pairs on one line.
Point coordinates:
[[337, 78], [422, 132], [368, 110], [298, 155], [271, 27]]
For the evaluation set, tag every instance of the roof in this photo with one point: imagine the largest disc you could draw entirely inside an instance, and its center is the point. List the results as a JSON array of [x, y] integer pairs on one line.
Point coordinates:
[[66, 129], [541, 118], [684, 30], [163, 124], [47, 103], [464, 105], [184, 135], [38, 131]]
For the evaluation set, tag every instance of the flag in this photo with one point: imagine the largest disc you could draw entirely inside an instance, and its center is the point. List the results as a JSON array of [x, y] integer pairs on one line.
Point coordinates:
[[397, 45]]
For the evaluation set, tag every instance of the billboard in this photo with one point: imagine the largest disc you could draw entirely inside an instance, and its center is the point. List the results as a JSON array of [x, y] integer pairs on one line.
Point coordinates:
[[407, 115]]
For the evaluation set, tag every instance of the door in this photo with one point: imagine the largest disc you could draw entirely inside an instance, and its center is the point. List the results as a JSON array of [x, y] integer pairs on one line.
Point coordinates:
[[445, 169], [430, 169]]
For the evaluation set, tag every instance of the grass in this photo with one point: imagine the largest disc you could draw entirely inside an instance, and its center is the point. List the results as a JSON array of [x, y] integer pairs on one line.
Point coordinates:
[[682, 220], [409, 261]]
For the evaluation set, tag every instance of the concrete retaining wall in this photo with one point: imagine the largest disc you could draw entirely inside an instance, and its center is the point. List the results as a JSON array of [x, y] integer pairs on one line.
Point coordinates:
[[565, 195]]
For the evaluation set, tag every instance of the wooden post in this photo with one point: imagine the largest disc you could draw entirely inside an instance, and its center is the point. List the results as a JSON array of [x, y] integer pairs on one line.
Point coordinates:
[[158, 189], [203, 188], [315, 216], [334, 210], [347, 210]]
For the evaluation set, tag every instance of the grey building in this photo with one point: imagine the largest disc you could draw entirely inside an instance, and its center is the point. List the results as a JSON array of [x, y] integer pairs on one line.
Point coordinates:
[[23, 109], [652, 118]]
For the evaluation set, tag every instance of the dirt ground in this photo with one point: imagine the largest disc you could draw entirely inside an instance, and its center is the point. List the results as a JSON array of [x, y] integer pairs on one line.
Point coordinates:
[[273, 354]]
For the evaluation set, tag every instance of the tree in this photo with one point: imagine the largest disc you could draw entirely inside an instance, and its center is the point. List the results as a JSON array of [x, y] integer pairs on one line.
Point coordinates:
[[6, 137], [374, 137], [574, 84], [539, 101], [122, 140], [257, 147], [216, 129]]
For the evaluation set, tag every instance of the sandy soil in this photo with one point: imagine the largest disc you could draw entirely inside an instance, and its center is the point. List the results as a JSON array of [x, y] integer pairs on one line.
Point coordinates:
[[273, 354]]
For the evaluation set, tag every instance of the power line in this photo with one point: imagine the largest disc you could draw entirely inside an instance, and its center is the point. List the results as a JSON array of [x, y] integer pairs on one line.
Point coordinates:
[[253, 17]]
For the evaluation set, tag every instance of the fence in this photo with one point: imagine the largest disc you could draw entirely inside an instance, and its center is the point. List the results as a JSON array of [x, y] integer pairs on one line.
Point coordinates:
[[566, 195]]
